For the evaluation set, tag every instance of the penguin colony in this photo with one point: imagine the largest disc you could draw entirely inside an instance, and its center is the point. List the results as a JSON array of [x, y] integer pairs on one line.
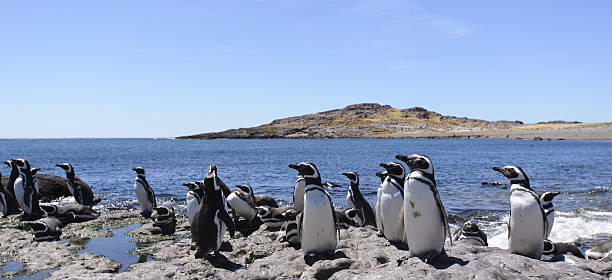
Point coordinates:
[[408, 210]]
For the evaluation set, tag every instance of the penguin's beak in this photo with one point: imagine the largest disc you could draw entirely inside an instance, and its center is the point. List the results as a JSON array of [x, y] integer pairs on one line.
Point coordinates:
[[403, 158], [62, 166], [294, 166], [135, 169], [8, 163], [345, 174], [384, 165], [498, 169], [555, 194]]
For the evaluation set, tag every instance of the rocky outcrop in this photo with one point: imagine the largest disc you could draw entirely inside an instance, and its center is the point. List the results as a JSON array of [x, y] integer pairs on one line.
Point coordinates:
[[263, 255], [51, 186], [366, 120]]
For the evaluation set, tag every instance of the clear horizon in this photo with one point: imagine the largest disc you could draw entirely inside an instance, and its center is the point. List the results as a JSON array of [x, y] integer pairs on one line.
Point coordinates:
[[154, 69]]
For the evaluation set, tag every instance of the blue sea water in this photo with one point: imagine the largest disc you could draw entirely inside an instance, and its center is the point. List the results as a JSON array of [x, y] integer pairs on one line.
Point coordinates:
[[580, 170]]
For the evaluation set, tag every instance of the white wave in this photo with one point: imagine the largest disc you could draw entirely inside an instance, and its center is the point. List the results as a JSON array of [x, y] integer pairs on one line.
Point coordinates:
[[568, 227]]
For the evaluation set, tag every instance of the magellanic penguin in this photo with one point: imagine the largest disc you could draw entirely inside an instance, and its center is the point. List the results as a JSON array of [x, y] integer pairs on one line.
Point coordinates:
[[46, 229], [425, 220], [10, 186], [164, 218], [8, 204], [25, 192], [546, 201], [211, 218], [298, 188], [349, 217], [78, 188], [33, 171], [73, 213], [318, 225], [390, 201], [290, 227], [561, 248], [242, 201], [355, 199], [527, 224], [144, 193], [275, 217], [223, 186], [471, 234], [601, 251], [193, 198]]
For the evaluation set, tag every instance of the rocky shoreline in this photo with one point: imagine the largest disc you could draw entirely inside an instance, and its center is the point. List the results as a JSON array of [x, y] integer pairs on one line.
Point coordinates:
[[371, 120], [261, 255]]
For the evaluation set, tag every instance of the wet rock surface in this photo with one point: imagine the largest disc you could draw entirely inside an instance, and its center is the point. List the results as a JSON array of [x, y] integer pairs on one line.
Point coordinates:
[[263, 255]]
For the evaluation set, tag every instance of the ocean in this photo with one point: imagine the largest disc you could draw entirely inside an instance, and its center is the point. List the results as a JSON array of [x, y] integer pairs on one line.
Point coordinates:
[[580, 170]]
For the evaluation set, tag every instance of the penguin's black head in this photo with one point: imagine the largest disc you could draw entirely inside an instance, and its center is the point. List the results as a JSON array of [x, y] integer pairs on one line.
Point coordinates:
[[66, 166], [306, 169], [51, 210], [394, 169], [245, 188], [212, 168], [382, 175], [290, 214], [139, 170], [163, 210], [352, 176], [191, 185], [514, 173], [470, 227], [548, 196], [417, 162], [38, 227], [210, 183], [33, 171], [22, 164]]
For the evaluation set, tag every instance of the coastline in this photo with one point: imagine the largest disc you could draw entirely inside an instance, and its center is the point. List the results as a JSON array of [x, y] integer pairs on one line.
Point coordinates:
[[261, 255]]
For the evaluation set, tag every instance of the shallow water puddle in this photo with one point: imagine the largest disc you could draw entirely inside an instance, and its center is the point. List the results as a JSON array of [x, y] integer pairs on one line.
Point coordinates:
[[15, 270], [116, 248]]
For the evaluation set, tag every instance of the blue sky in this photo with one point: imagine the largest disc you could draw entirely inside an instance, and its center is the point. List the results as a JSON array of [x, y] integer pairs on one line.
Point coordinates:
[[169, 68]]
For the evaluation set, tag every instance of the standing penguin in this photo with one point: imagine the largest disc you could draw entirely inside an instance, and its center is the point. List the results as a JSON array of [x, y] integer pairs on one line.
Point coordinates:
[[549, 211], [8, 204], [223, 186], [425, 221], [390, 202], [318, 224], [144, 193], [243, 202], [193, 198], [10, 186], [527, 224], [355, 199], [211, 218], [25, 192], [78, 188], [298, 189]]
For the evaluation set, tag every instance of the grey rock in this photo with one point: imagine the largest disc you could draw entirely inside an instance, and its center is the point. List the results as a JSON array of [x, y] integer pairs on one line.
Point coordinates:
[[51, 186]]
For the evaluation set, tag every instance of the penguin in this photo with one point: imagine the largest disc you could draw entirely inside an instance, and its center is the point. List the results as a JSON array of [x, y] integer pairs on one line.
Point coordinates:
[[25, 192], [355, 199], [425, 221], [390, 202], [193, 198], [73, 213], [78, 188], [349, 217], [243, 202], [382, 175], [46, 229], [164, 218], [527, 223], [551, 248], [10, 186], [8, 204], [298, 189], [33, 171], [223, 186], [290, 227], [318, 225], [275, 217], [264, 200], [470, 233], [211, 218], [549, 211], [144, 193]]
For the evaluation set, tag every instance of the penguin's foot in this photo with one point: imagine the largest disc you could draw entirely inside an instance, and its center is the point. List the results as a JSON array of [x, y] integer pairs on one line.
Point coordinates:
[[199, 254], [380, 234], [146, 214], [192, 246], [429, 257]]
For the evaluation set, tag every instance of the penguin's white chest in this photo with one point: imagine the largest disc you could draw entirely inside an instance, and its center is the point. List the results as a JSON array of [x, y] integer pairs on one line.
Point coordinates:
[[391, 202], [143, 197], [349, 199], [526, 225], [241, 207], [192, 202], [318, 226], [377, 211], [20, 195], [423, 223], [298, 194], [550, 218]]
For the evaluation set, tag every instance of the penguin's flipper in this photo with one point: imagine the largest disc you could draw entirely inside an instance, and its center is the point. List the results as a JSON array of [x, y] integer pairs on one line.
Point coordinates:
[[223, 186], [400, 224], [434, 190], [228, 222], [300, 219]]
